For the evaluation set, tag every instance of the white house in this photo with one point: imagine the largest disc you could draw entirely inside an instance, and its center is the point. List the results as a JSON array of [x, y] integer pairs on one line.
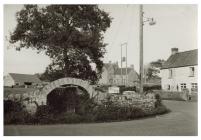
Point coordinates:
[[16, 79], [180, 71]]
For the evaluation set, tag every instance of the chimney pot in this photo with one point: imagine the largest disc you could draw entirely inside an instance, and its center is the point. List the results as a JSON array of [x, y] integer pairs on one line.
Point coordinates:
[[174, 50]]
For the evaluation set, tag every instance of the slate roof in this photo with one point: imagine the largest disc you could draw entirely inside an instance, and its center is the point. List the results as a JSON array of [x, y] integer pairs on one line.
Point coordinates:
[[107, 65], [118, 71], [25, 78], [182, 59]]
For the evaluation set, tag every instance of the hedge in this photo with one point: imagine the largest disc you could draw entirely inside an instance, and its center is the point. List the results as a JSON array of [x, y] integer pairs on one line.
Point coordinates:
[[100, 113]]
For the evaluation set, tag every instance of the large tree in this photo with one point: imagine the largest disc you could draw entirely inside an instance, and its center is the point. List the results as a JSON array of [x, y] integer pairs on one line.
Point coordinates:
[[71, 35], [153, 69]]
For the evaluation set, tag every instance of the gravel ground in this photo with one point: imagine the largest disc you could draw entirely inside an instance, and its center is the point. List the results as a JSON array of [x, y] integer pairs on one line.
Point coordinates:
[[181, 121]]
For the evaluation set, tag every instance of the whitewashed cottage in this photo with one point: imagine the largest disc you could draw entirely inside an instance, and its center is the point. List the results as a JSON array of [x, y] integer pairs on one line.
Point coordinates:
[[180, 71]]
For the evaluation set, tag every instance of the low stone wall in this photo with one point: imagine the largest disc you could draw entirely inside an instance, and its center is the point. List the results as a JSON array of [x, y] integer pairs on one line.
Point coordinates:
[[170, 95], [146, 103], [30, 100]]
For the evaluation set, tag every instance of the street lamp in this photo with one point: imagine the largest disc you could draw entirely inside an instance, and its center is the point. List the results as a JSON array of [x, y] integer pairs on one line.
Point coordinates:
[[142, 21]]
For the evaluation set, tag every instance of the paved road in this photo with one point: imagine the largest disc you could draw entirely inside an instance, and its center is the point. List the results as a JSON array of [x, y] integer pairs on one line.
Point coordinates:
[[182, 121]]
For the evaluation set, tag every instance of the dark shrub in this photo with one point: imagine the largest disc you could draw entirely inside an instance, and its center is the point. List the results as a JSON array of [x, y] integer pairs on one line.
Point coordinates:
[[158, 100], [152, 87], [115, 112], [69, 118], [136, 113], [12, 106], [21, 117], [44, 115], [14, 113], [162, 109], [85, 107]]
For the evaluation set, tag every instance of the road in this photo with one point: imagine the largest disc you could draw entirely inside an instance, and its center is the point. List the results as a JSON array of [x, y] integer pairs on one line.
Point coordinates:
[[181, 121]]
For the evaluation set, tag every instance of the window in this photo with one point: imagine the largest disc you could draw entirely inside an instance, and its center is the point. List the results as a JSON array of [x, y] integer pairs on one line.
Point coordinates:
[[177, 88], [168, 88], [170, 73], [183, 86], [194, 86], [192, 71]]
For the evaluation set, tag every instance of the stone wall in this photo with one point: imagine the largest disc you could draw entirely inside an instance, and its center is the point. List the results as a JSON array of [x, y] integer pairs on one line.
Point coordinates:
[[39, 97], [145, 102], [172, 95]]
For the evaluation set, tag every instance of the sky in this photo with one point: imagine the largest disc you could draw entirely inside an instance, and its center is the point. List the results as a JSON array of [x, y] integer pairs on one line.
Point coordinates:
[[176, 26]]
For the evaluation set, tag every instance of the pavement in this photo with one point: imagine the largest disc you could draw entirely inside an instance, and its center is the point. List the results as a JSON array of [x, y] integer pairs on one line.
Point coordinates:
[[181, 121]]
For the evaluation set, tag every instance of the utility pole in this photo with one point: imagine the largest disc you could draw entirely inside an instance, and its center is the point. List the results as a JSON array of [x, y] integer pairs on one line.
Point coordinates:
[[121, 67], [141, 47], [142, 21]]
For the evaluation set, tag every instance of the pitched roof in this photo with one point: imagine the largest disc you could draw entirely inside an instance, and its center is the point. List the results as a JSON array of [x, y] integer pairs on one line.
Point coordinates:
[[118, 71], [25, 78], [108, 65], [182, 59]]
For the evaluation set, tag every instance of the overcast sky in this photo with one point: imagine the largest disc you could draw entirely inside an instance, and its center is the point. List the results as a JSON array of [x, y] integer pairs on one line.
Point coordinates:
[[176, 26]]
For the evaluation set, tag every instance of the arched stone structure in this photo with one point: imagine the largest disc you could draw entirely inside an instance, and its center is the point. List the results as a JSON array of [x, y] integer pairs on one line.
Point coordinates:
[[41, 95], [67, 81]]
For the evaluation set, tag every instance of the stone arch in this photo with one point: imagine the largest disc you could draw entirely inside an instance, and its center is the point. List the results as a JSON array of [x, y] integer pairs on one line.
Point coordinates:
[[41, 96], [68, 81]]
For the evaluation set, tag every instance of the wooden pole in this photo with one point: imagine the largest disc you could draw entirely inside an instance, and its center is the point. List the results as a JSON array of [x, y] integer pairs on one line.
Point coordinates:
[[141, 47]]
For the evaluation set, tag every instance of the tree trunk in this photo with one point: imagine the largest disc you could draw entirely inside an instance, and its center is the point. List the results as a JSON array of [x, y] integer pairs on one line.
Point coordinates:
[[66, 63]]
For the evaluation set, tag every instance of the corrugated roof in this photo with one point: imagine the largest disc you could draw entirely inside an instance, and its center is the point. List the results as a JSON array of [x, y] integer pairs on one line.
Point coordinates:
[[25, 78], [182, 59]]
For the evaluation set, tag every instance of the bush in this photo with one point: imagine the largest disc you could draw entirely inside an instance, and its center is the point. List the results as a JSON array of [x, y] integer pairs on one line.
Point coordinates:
[[69, 118], [44, 115], [114, 112], [12, 106], [87, 112], [158, 102], [152, 87], [162, 109], [20, 117], [14, 113]]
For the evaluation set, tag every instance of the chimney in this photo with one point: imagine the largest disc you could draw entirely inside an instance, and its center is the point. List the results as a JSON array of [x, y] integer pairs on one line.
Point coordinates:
[[110, 62], [174, 50]]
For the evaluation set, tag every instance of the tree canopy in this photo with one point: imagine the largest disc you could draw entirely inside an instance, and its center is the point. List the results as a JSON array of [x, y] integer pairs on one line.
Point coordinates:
[[71, 35], [153, 69]]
